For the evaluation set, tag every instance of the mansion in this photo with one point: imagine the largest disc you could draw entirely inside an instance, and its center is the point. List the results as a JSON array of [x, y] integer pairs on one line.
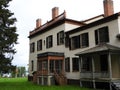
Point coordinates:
[[85, 53]]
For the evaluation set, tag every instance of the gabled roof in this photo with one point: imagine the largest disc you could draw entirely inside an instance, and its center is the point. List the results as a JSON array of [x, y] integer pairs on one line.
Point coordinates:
[[54, 23], [100, 48], [98, 22]]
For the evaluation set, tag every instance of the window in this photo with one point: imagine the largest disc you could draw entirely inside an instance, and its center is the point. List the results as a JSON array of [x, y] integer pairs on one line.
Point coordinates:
[[104, 62], [51, 66], [84, 40], [79, 41], [75, 64], [101, 35], [44, 65], [32, 65], [39, 45], [49, 41], [75, 42], [67, 64], [60, 38], [86, 64], [32, 47], [39, 65], [67, 40]]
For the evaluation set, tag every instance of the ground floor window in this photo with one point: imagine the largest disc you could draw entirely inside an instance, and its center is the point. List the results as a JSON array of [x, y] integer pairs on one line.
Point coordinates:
[[86, 64], [55, 65], [67, 64], [104, 62], [75, 64]]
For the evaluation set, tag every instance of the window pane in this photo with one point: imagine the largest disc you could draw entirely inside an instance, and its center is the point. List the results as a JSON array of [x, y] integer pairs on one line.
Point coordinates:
[[104, 62], [75, 64], [60, 38], [67, 64], [39, 45], [75, 42], [32, 47], [86, 64], [85, 42], [49, 41], [51, 66], [102, 35]]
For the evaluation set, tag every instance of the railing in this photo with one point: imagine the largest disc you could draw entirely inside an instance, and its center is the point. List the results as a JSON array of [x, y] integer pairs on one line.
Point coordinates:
[[101, 75], [94, 75], [42, 72], [86, 75], [60, 79]]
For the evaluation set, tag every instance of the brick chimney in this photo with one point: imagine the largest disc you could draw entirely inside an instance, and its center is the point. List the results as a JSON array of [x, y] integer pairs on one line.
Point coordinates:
[[38, 23], [55, 12], [108, 7]]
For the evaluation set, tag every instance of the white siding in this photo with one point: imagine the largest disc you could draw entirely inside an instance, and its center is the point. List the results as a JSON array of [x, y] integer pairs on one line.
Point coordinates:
[[55, 48]]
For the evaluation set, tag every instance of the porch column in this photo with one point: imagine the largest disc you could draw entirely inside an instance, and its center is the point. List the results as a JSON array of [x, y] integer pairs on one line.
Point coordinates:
[[80, 67], [93, 72], [110, 68]]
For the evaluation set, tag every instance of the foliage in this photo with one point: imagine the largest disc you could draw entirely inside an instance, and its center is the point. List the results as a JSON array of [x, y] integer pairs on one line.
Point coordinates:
[[21, 71], [8, 37], [23, 84]]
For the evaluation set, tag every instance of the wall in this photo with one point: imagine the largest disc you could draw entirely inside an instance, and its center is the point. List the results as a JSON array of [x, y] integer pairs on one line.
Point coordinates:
[[113, 31], [55, 48]]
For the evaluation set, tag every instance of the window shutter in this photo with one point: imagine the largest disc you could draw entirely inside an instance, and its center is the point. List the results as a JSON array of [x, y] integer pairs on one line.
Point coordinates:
[[47, 42], [70, 43], [96, 37], [57, 38], [51, 41]]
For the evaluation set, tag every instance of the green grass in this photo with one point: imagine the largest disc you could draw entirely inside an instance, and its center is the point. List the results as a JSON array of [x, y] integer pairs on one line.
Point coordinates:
[[23, 84]]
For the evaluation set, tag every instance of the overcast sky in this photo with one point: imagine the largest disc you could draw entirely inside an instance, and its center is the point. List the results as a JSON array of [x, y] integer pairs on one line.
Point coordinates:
[[27, 11]]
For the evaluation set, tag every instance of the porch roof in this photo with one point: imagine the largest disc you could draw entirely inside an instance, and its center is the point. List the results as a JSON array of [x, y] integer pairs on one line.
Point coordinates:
[[100, 48], [45, 54]]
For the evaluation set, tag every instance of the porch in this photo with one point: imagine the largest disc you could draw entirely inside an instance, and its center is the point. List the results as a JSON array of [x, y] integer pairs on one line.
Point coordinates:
[[100, 64], [49, 66]]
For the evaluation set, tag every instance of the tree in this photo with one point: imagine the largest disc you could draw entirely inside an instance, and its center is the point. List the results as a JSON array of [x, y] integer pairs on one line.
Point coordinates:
[[8, 37], [21, 71]]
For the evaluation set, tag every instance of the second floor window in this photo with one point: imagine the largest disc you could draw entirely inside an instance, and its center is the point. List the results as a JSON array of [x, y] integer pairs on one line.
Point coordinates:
[[49, 41], [32, 47], [75, 42], [101, 35], [84, 40], [60, 38], [39, 45], [79, 41]]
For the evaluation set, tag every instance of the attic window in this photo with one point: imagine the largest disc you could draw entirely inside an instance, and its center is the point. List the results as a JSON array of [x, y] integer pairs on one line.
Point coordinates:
[[118, 36]]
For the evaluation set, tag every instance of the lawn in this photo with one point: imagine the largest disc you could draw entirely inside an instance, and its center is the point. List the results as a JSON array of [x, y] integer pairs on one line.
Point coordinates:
[[23, 84]]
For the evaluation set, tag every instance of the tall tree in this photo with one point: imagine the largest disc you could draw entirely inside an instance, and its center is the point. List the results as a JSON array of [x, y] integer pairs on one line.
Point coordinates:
[[8, 36]]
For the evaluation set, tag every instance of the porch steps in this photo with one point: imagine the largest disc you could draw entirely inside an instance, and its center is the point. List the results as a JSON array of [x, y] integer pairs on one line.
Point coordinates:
[[60, 78], [116, 85]]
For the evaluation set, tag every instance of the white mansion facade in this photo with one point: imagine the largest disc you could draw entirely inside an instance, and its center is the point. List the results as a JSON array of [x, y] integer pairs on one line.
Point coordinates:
[[85, 53]]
